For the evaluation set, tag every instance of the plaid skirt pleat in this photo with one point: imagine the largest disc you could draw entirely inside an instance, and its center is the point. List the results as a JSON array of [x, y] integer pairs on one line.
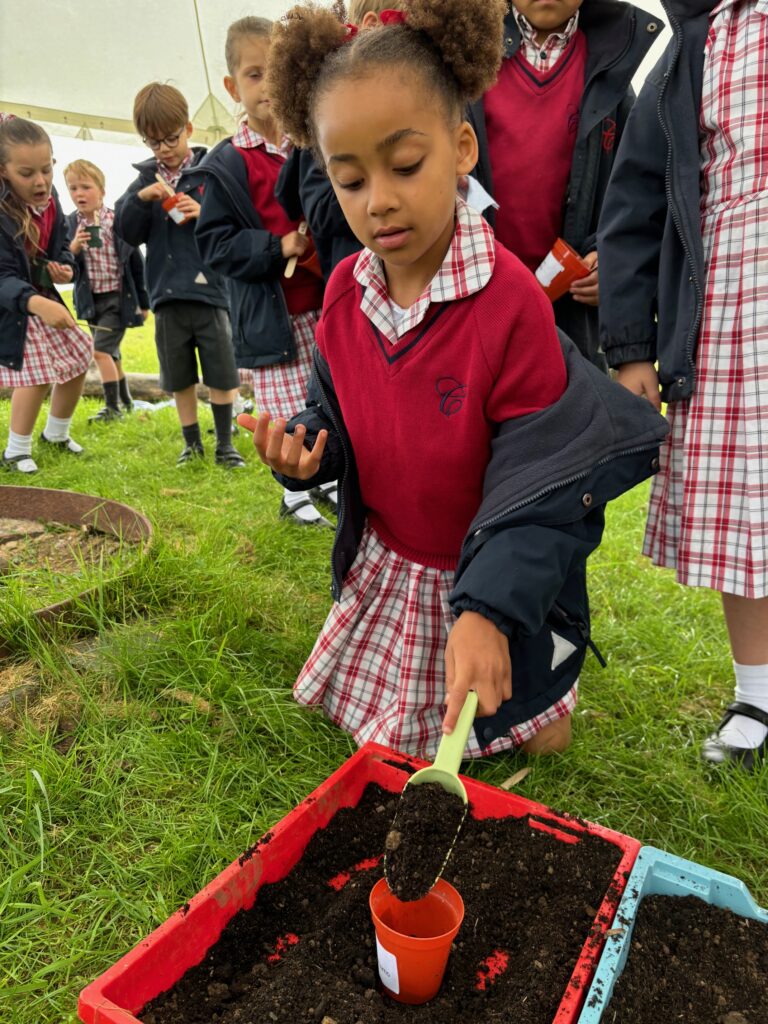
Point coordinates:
[[377, 667], [51, 356], [708, 516], [282, 389]]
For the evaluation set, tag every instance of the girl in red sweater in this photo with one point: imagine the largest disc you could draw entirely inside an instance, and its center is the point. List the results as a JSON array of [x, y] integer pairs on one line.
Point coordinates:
[[437, 378]]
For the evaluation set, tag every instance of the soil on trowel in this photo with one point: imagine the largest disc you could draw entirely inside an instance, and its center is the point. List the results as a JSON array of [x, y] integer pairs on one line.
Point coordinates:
[[46, 555], [689, 961], [307, 951], [415, 856]]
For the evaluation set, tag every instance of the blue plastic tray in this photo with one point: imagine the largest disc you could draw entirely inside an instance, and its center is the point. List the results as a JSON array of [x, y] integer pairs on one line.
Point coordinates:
[[659, 873]]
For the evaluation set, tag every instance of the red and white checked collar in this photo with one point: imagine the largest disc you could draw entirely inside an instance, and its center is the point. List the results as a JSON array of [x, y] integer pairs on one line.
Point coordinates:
[[466, 269], [106, 217], [172, 177], [543, 56], [246, 138], [760, 6]]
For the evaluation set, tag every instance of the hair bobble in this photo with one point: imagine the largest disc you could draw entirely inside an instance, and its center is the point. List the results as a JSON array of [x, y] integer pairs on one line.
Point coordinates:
[[390, 17], [352, 31]]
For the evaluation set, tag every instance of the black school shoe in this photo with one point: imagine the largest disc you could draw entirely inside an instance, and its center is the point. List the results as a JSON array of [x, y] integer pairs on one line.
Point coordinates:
[[286, 512], [67, 445], [191, 453], [229, 457], [19, 464], [106, 415], [750, 758], [324, 497]]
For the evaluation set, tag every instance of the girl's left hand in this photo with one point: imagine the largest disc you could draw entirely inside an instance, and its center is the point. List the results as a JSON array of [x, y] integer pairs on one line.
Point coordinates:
[[60, 273], [476, 658], [587, 289]]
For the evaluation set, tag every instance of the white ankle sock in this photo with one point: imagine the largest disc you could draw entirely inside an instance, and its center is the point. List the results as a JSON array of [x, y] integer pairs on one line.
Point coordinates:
[[18, 444], [331, 491], [57, 429], [751, 688], [309, 513]]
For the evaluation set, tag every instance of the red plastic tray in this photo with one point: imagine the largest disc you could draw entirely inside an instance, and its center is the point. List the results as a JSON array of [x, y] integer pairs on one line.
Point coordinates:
[[160, 960]]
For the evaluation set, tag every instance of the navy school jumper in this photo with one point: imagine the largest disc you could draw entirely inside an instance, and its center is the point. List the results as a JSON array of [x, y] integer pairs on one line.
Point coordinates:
[[16, 288], [133, 290], [618, 37], [175, 269]]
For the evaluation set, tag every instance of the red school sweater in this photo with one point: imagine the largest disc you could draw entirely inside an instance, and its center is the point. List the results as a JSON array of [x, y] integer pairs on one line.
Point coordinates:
[[304, 291], [532, 118], [421, 414]]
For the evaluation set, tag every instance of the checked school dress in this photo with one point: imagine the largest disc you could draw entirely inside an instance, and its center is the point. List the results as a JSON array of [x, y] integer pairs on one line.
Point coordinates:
[[52, 355], [708, 517], [377, 668]]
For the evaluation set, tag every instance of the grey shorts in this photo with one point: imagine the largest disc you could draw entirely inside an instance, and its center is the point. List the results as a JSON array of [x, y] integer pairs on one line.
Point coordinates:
[[188, 331], [105, 326]]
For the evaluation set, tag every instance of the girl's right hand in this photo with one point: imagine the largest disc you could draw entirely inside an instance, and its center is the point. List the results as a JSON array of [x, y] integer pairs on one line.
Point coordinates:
[[285, 453], [80, 241], [294, 244], [50, 312], [641, 379]]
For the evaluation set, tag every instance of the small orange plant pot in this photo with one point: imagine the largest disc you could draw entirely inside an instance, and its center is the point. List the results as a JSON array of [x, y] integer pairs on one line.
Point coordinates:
[[170, 205], [413, 940], [559, 269]]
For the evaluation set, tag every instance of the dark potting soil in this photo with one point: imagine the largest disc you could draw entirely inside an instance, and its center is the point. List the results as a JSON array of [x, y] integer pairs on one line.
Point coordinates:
[[306, 950], [689, 961], [415, 856]]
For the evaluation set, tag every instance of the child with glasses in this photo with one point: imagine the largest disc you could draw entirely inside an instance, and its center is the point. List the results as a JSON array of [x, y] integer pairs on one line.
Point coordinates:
[[188, 299]]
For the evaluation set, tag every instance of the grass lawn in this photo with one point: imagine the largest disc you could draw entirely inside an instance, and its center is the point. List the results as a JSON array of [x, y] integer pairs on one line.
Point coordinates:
[[167, 741]]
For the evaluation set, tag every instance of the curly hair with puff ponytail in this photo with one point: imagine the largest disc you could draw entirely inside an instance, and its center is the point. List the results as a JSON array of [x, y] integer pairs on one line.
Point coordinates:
[[455, 45]]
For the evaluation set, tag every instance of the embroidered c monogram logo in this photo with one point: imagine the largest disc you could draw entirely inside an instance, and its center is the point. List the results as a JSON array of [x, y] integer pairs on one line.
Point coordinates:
[[452, 394]]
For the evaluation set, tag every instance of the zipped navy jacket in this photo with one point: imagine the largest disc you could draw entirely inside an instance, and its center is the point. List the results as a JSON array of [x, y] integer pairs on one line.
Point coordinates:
[[133, 288], [523, 562], [649, 241], [175, 269], [16, 288], [618, 37], [304, 190], [233, 240]]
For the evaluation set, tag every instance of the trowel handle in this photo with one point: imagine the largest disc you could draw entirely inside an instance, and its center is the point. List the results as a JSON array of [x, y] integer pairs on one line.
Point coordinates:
[[452, 747]]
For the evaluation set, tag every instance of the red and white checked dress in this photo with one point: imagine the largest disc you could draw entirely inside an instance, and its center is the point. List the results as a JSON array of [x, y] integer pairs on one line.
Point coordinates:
[[708, 516], [51, 355], [281, 389], [377, 667]]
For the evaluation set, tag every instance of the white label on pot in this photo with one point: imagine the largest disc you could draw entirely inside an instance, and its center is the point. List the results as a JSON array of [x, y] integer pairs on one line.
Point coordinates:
[[548, 269], [176, 215], [387, 968]]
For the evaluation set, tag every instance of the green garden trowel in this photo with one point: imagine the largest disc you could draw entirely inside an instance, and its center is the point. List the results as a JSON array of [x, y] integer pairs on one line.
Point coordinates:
[[444, 771], [445, 767]]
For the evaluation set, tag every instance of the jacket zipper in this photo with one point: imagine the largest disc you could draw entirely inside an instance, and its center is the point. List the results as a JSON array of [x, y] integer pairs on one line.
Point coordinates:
[[583, 630], [558, 486], [335, 581], [694, 331]]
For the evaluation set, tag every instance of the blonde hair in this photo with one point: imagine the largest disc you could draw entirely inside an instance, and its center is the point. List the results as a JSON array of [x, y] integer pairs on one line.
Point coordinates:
[[85, 169], [250, 26], [159, 108], [359, 8], [17, 131]]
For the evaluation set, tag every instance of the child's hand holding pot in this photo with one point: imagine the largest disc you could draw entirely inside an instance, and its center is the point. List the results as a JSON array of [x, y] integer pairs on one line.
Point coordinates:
[[80, 241], [476, 658]]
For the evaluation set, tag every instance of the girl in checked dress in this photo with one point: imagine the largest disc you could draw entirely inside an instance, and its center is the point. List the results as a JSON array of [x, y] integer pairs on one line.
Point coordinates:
[[40, 344]]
